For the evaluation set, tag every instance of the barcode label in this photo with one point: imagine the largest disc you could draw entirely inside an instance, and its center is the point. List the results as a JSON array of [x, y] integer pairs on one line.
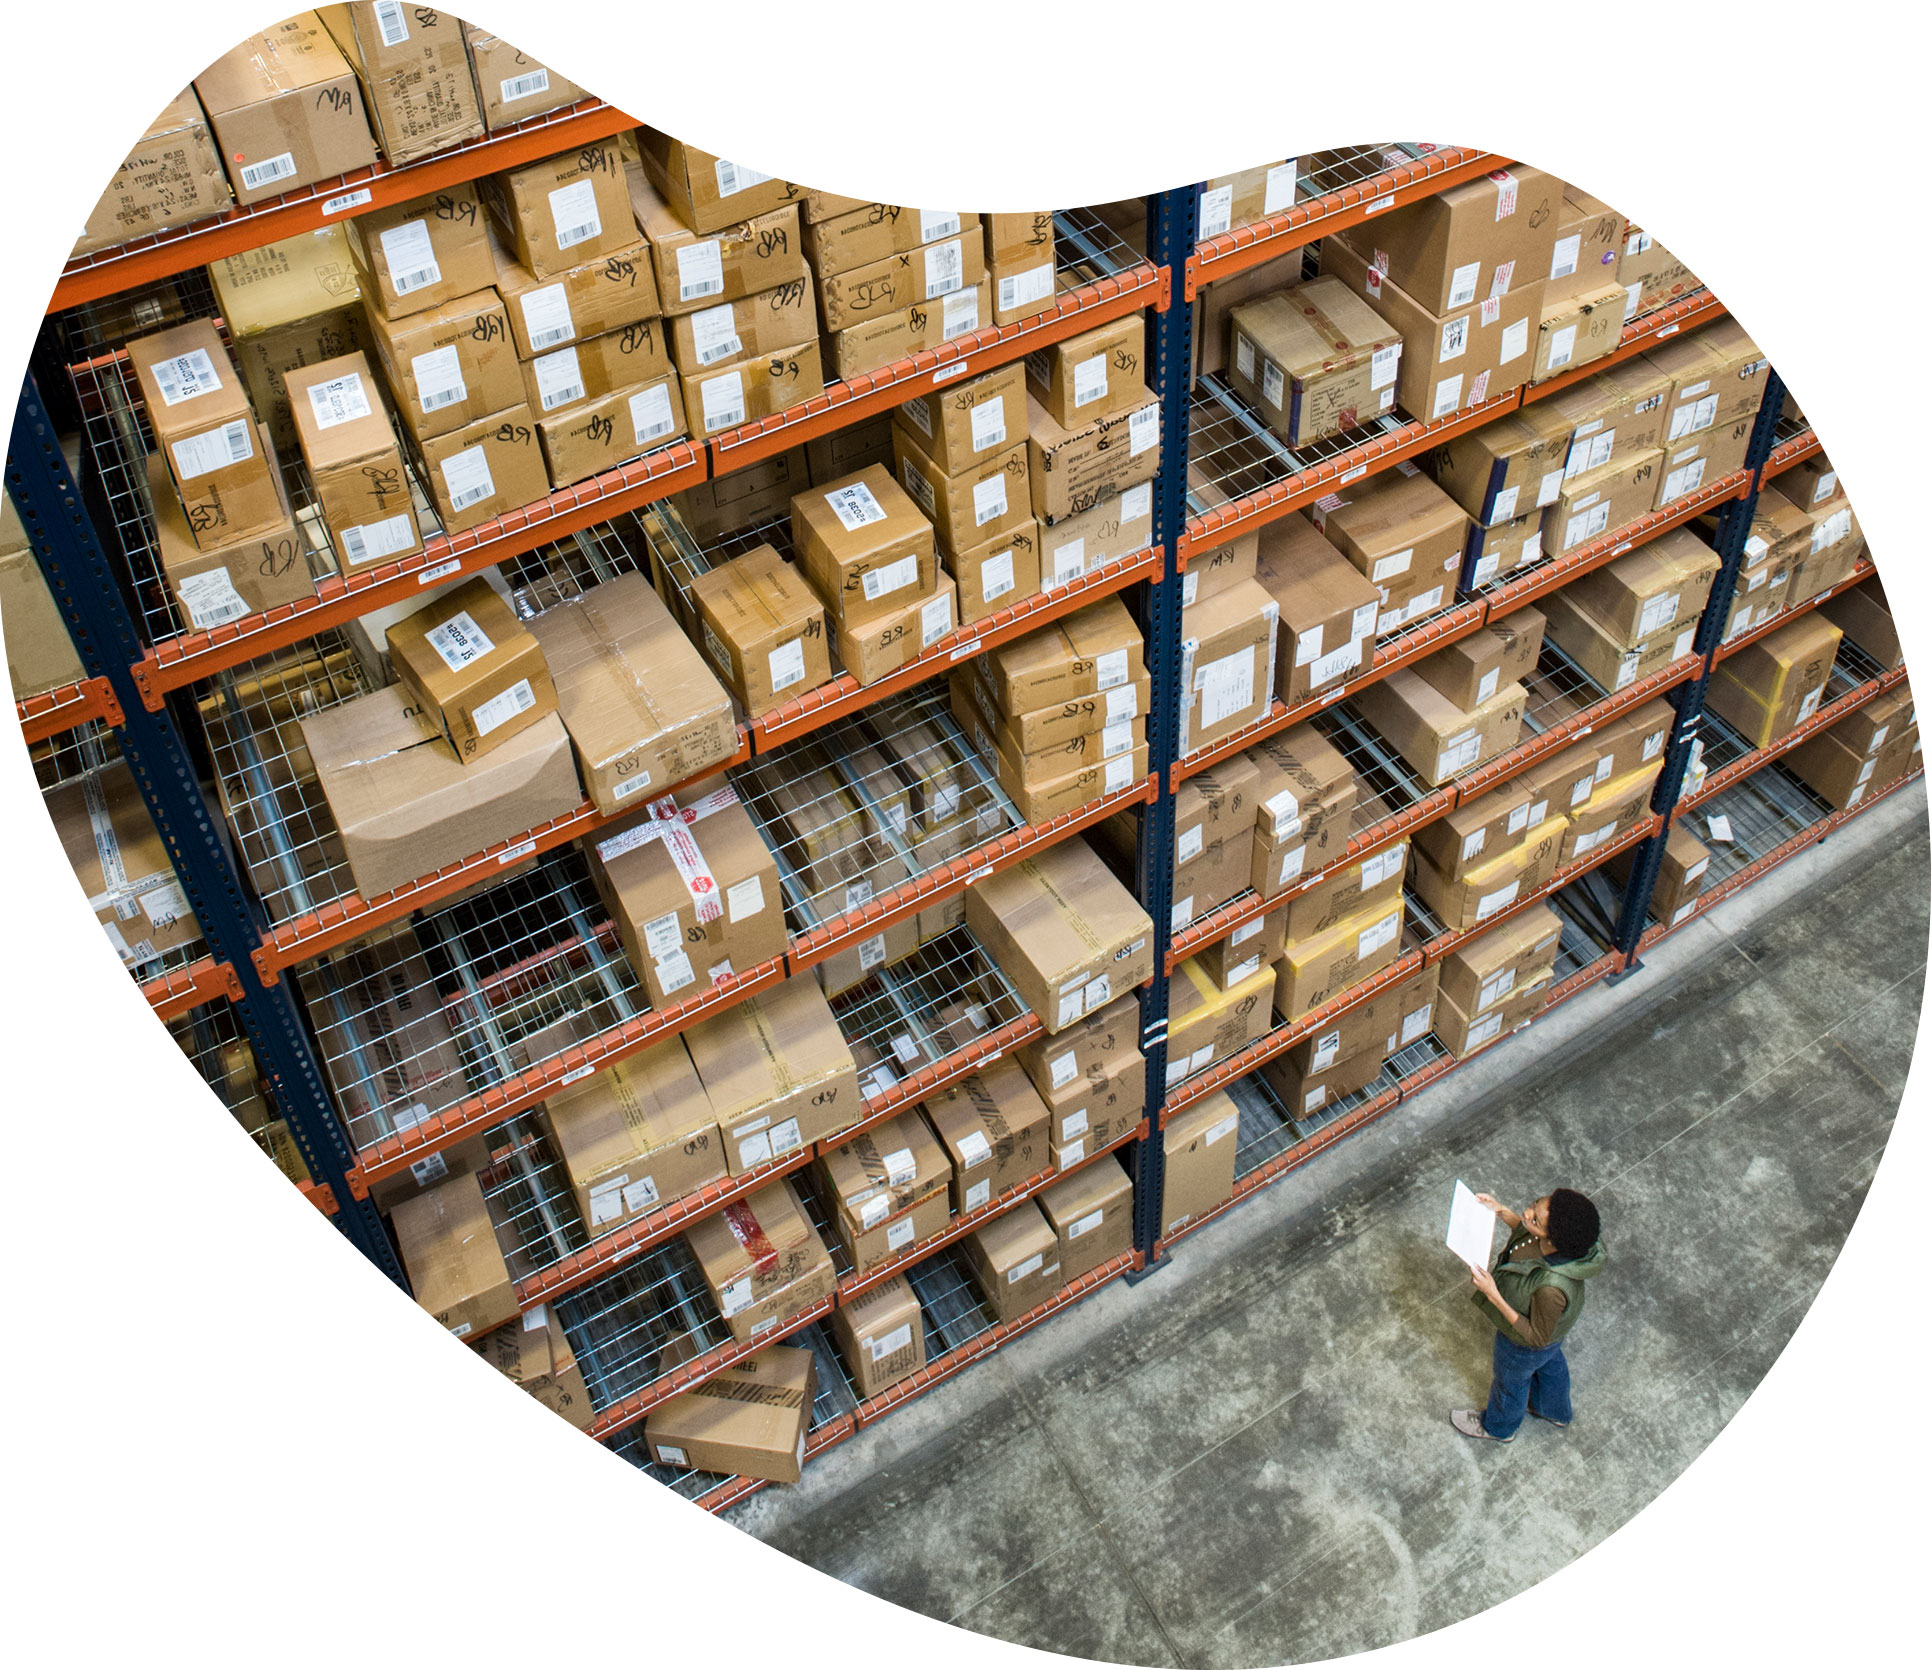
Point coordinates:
[[559, 379], [573, 212], [959, 314], [187, 375], [546, 316], [724, 401], [1023, 289], [442, 571], [255, 175], [459, 641], [523, 86], [392, 23], [467, 477], [651, 416], [439, 379], [410, 257], [375, 540], [700, 270], [855, 506], [201, 454], [211, 598], [945, 265], [734, 177], [348, 200], [340, 400], [500, 710]]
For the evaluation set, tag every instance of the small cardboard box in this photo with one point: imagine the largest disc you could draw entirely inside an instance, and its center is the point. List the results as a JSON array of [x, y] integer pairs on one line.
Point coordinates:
[[747, 328], [987, 498], [762, 1260], [1328, 608], [122, 863], [1577, 329], [1470, 671], [749, 1420], [764, 629], [513, 86], [1115, 526], [1213, 805], [1098, 1108], [753, 388], [844, 970], [993, 1124], [171, 178], [778, 1072], [1307, 1093], [472, 667], [1616, 807], [1397, 528], [1092, 375], [1607, 660], [449, 1248], [1201, 1142], [414, 72], [996, 573], [426, 252], [1589, 245], [1315, 359], [593, 436], [1346, 890], [1503, 549], [1616, 414], [889, 1187], [695, 896], [1030, 733], [566, 210], [883, 645], [1073, 467], [629, 357], [577, 301], [1478, 829], [1207, 1024], [1462, 1035], [642, 710], [1838, 771], [1227, 663], [1497, 883], [1091, 1215], [406, 806], [1372, 1030], [536, 1355], [1088, 653], [1659, 585], [286, 110], [1055, 1062], [895, 282], [1508, 467], [1479, 974], [1770, 687], [355, 465], [1016, 1259], [484, 469], [750, 256], [257, 572], [1305, 793], [1219, 568], [1022, 288], [1439, 739], [1865, 616], [1812, 482], [709, 193], [967, 422], [875, 231], [881, 1335], [1317, 970], [448, 365], [1703, 460], [636, 1135], [731, 503], [1600, 501], [1064, 931], [1253, 945], [864, 545], [1717, 376]]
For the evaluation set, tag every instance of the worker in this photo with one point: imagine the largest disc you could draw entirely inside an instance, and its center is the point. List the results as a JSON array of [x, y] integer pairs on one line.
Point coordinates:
[[1534, 1297]]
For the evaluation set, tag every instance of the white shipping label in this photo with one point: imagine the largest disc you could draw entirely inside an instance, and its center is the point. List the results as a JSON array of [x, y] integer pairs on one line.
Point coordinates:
[[1550, 489], [1372, 939], [1396, 562], [1682, 911], [1681, 645], [1657, 613], [640, 1196], [466, 477], [607, 1201], [734, 177], [1685, 480], [872, 953], [1226, 686], [1415, 1023], [1696, 870], [1143, 430], [1473, 844], [974, 1147], [439, 379], [1180, 914], [201, 455], [1243, 356], [1484, 1030], [1246, 932], [1383, 364], [958, 314], [1024, 289], [1589, 525], [546, 317], [1827, 485], [459, 641], [186, 376], [375, 540], [651, 415], [1090, 381], [500, 710], [1273, 385], [889, 577], [989, 500], [1462, 285], [988, 420], [1324, 669], [1136, 504], [1564, 257], [1327, 1047], [1111, 669], [1519, 819], [1314, 1098], [1073, 1125], [700, 270], [1217, 211], [714, 332], [514, 89], [919, 487], [1308, 645], [1496, 987], [945, 267], [1189, 844], [255, 175], [1486, 567], [164, 905], [886, 1344], [211, 598], [1116, 739], [1490, 903], [1504, 509], [1515, 339], [1024, 1268], [1285, 809], [855, 506], [900, 1167], [1809, 705], [1448, 396], [787, 664], [1062, 1068], [723, 398], [935, 224], [410, 257], [1119, 774], [1123, 703], [1605, 766], [935, 620], [1098, 991], [857, 894], [1455, 341], [1086, 1225], [996, 576], [873, 1211], [1459, 754], [573, 213], [1487, 687], [744, 898], [1562, 347]]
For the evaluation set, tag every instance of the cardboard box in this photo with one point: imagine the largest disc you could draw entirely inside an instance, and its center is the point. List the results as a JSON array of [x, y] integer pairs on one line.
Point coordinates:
[[415, 74], [751, 327], [172, 177], [535, 1354], [1091, 1215], [844, 970], [1073, 469], [1558, 784], [1205, 881], [749, 1420], [473, 668], [881, 1335], [1079, 1049], [1494, 885], [286, 110], [1022, 287], [1315, 360], [1116, 526], [592, 298], [427, 252], [1212, 806], [778, 1073], [449, 1248], [1064, 931], [448, 365], [1589, 244], [1250, 947], [642, 710], [565, 211], [1207, 1024], [1812, 482], [846, 451], [996, 573], [1239, 199], [726, 504], [1618, 413], [1307, 1093], [1661, 584], [1616, 807], [1651, 276], [1704, 459], [876, 231], [629, 358], [1016, 1260], [40, 653], [988, 496], [1097, 1109], [1470, 671], [1463, 1035], [1608, 661], [247, 576], [1479, 974], [864, 545], [122, 864], [1575, 330], [355, 464], [1201, 1142], [1044, 728], [710, 194], [1397, 528], [1717, 376], [1680, 875], [1367, 1032], [1510, 466], [1092, 375], [1439, 739], [762, 1260], [895, 282], [1303, 801], [1345, 890], [1018, 238], [636, 1135], [1453, 360], [681, 935], [1770, 687], [883, 645], [1327, 608], [889, 1188], [1319, 969], [764, 629], [1067, 790], [592, 436], [1840, 773], [993, 1124], [730, 395], [477, 473], [513, 86], [1477, 829], [1217, 569], [1088, 653], [1601, 501], [205, 429], [966, 423], [1503, 549], [742, 258], [1864, 614]]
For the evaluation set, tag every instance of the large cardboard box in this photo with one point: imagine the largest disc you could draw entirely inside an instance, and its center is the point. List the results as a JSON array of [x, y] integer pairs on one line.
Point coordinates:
[[778, 1072], [1703, 460], [1610, 662], [566, 210], [1617, 414], [889, 1188], [425, 252], [1589, 244], [1661, 584], [1651, 276], [1219, 567], [40, 653], [993, 1124], [965, 423], [1314, 359], [415, 74], [405, 806], [577, 302], [1064, 931], [1092, 375], [1116, 525], [1680, 875], [592, 436], [247, 576], [986, 498], [1091, 1215], [1477, 829], [1398, 529], [1206, 1024], [1227, 663], [485, 469], [1616, 807], [694, 892], [449, 1248], [1088, 653], [1307, 1092], [1439, 739], [511, 85], [627, 358], [636, 1135], [1600, 501], [1072, 468], [449, 365], [1480, 973], [536, 1355], [762, 1260], [1837, 770], [1864, 614], [743, 258], [1372, 1030], [1016, 1259], [1470, 671], [1317, 970], [1501, 550], [172, 177], [749, 1420], [286, 109], [881, 1335], [121, 863], [764, 629], [709, 193], [1717, 376], [642, 710], [864, 545], [1328, 608], [1770, 687], [355, 464], [1201, 1142], [473, 668]]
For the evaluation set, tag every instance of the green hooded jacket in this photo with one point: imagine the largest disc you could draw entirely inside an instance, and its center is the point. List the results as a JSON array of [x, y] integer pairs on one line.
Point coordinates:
[[1522, 1271]]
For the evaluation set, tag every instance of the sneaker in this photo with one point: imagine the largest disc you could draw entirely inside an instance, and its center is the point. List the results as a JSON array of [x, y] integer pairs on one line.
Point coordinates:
[[1469, 1422], [1559, 1425]]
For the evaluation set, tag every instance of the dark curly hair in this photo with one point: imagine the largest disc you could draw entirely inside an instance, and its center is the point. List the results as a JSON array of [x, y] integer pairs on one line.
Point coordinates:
[[1574, 1224]]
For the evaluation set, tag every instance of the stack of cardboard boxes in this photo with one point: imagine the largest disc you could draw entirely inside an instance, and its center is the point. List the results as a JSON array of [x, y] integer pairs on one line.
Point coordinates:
[[1865, 753], [1498, 982], [1635, 616], [1344, 1057], [1680, 876], [894, 280], [1770, 687]]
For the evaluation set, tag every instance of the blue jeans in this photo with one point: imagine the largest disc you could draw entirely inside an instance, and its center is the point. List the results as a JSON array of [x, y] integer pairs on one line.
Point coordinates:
[[1521, 1376]]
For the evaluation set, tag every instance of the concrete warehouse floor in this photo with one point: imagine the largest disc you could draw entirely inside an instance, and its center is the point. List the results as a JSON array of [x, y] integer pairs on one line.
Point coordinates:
[[1246, 1459]]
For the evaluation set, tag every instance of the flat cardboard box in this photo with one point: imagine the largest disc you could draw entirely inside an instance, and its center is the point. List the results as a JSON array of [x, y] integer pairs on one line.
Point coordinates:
[[473, 668], [1091, 1215], [1661, 584], [881, 1335], [1609, 662], [1345, 890], [747, 328], [877, 1184], [415, 75], [636, 1135], [1088, 653], [695, 896], [1480, 973], [449, 1248], [1496, 884], [1098, 1108], [754, 388], [1439, 739], [1072, 468], [426, 252], [746, 257], [1771, 686], [1016, 1259], [1315, 360], [864, 545], [172, 177], [1471, 671], [966, 422], [534, 1353], [1328, 608], [993, 1124], [1319, 969], [903, 279], [286, 305], [1508, 467], [355, 464], [204, 427], [564, 378], [592, 436], [286, 110], [448, 365], [642, 710], [1200, 1143], [883, 339], [1703, 459], [887, 643], [874, 231], [1220, 567], [765, 629], [486, 468], [1477, 829], [1398, 528], [1601, 501], [1578, 329], [760, 492], [1068, 790], [708, 193], [986, 498], [248, 576], [1617, 414], [1064, 931], [40, 653], [996, 573], [511, 85], [749, 1420], [576, 302], [778, 1072], [1115, 526], [1092, 375], [121, 863], [1207, 1024], [1303, 799]]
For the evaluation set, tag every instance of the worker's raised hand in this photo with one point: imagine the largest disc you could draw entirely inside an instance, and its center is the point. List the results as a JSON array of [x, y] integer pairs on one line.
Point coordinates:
[[1501, 1211]]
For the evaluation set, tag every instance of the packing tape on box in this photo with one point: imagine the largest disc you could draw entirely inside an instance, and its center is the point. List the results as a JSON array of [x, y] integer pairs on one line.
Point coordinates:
[[750, 1391], [750, 1234], [671, 824]]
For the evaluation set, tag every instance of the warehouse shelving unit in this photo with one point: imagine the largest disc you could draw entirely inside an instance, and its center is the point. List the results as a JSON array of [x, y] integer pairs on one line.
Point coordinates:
[[508, 962]]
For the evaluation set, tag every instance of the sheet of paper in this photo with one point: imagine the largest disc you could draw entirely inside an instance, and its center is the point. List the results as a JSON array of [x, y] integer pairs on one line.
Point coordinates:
[[1472, 1228], [1720, 827]]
